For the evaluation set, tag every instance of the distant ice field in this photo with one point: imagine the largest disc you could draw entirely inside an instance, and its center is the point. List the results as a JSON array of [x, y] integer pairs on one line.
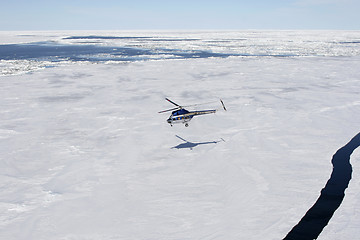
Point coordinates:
[[84, 153], [24, 51]]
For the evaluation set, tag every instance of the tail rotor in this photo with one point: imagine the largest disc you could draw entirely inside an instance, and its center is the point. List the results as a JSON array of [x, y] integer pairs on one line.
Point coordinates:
[[223, 105]]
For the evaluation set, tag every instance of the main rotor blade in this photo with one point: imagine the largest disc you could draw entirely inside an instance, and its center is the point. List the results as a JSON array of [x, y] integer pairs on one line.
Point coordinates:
[[173, 102], [199, 104], [168, 110]]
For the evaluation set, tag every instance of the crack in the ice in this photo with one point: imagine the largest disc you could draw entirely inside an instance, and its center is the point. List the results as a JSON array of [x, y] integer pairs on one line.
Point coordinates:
[[319, 215]]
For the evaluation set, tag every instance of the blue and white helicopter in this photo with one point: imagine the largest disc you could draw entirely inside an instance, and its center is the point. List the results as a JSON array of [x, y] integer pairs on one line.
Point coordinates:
[[181, 115]]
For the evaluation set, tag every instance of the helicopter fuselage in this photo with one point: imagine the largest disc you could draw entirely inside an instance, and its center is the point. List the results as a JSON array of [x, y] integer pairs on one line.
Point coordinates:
[[184, 116]]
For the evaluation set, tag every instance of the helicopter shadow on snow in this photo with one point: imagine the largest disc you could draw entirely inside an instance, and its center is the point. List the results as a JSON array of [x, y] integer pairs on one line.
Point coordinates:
[[191, 145]]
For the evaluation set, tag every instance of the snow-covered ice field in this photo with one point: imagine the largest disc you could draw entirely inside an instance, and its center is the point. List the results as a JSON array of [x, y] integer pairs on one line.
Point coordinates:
[[84, 153]]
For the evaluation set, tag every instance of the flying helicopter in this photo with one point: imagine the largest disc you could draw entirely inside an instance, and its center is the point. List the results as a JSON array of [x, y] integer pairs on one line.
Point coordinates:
[[181, 115]]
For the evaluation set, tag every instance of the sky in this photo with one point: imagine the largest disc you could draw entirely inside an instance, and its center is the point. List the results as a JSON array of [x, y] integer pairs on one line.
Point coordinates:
[[18, 15]]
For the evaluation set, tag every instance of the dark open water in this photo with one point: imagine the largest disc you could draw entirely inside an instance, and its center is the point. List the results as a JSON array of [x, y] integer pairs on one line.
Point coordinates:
[[318, 216], [52, 51]]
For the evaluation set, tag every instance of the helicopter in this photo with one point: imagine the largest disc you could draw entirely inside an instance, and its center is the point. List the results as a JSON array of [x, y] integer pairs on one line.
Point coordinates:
[[181, 115]]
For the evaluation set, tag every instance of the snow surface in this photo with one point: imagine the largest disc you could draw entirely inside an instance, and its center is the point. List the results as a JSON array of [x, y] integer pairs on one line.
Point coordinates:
[[85, 155]]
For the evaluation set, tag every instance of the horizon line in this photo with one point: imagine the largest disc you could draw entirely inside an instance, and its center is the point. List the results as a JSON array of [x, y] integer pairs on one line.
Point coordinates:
[[182, 30]]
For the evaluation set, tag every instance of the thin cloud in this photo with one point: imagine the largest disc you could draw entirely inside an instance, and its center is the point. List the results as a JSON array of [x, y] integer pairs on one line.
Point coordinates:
[[322, 2]]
